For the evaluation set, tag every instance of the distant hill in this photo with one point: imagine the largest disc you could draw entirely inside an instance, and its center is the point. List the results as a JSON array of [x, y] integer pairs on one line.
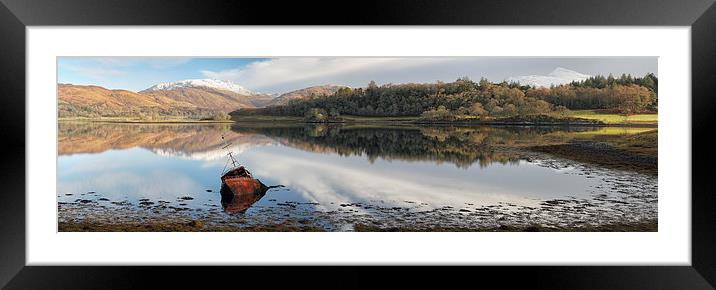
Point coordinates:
[[198, 98], [210, 94], [205, 97], [305, 93], [189, 98], [94, 101]]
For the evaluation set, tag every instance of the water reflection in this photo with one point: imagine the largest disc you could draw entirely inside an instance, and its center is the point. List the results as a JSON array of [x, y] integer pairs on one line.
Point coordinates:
[[461, 146], [355, 169], [189, 141]]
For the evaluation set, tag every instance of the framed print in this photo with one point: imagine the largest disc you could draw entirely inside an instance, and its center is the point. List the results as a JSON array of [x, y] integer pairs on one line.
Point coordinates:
[[487, 134]]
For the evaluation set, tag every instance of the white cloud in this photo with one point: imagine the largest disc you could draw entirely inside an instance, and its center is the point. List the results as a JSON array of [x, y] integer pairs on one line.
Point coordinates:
[[326, 178], [283, 74], [305, 72]]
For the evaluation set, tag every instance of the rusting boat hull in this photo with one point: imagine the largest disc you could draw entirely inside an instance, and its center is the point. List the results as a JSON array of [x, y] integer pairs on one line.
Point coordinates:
[[243, 185], [239, 190]]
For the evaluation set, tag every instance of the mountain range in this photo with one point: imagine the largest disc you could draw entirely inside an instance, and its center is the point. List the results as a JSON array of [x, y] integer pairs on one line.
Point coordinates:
[[191, 98], [94, 101], [206, 97]]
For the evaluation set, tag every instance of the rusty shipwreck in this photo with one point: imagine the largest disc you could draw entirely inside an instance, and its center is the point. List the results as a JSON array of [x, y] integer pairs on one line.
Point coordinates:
[[239, 189]]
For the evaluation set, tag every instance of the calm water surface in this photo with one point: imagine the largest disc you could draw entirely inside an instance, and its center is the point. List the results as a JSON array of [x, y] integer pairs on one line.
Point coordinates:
[[357, 171]]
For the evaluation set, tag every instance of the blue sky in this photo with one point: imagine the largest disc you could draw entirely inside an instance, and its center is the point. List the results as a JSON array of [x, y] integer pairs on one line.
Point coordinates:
[[278, 75], [136, 74]]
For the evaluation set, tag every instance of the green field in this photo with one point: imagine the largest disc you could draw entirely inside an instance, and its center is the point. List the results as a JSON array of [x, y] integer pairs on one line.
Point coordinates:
[[612, 131], [640, 119], [608, 118]]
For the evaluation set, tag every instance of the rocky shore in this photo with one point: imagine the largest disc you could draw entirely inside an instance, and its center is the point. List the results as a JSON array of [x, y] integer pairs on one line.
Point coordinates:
[[624, 200]]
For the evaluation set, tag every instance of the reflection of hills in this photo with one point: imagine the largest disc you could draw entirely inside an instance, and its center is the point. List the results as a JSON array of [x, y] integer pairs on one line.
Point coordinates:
[[462, 146], [181, 140]]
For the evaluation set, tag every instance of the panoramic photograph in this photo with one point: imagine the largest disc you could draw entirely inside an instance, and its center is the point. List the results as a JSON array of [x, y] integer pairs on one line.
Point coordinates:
[[357, 144]]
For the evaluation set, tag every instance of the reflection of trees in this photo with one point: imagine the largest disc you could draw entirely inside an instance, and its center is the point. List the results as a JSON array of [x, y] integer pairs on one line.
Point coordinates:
[[462, 146]]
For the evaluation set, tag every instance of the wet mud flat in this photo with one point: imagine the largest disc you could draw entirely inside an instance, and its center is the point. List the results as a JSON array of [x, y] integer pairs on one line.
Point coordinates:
[[625, 200], [602, 154]]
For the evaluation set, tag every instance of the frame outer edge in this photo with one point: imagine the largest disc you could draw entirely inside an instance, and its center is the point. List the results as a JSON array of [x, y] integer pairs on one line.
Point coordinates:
[[12, 96], [12, 168], [703, 198], [366, 12]]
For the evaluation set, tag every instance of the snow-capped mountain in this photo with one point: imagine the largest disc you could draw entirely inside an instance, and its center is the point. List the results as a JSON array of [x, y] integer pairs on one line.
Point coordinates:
[[210, 83], [212, 94], [558, 76]]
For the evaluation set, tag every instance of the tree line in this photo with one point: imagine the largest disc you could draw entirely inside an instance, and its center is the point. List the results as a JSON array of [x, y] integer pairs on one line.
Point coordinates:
[[625, 94], [465, 97], [649, 81]]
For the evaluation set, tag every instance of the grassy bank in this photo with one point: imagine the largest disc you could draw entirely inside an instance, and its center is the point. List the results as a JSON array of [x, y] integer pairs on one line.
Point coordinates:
[[607, 118], [649, 120], [616, 119]]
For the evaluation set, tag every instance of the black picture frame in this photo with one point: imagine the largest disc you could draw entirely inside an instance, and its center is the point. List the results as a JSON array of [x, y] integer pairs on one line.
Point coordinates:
[[16, 15]]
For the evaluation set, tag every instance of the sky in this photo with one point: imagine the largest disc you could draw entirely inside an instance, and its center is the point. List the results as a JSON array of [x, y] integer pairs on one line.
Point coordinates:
[[284, 74]]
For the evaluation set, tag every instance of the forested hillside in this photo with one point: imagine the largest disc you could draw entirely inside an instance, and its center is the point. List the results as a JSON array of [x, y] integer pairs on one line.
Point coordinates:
[[465, 97], [625, 93]]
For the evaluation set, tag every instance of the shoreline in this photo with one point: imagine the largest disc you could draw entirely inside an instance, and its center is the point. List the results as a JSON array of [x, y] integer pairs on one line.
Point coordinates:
[[147, 122], [415, 121], [537, 124], [495, 124], [411, 120], [612, 208], [298, 226]]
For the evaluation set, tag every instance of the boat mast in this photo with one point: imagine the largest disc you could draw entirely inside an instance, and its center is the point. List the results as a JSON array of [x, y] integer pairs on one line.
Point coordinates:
[[231, 156]]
